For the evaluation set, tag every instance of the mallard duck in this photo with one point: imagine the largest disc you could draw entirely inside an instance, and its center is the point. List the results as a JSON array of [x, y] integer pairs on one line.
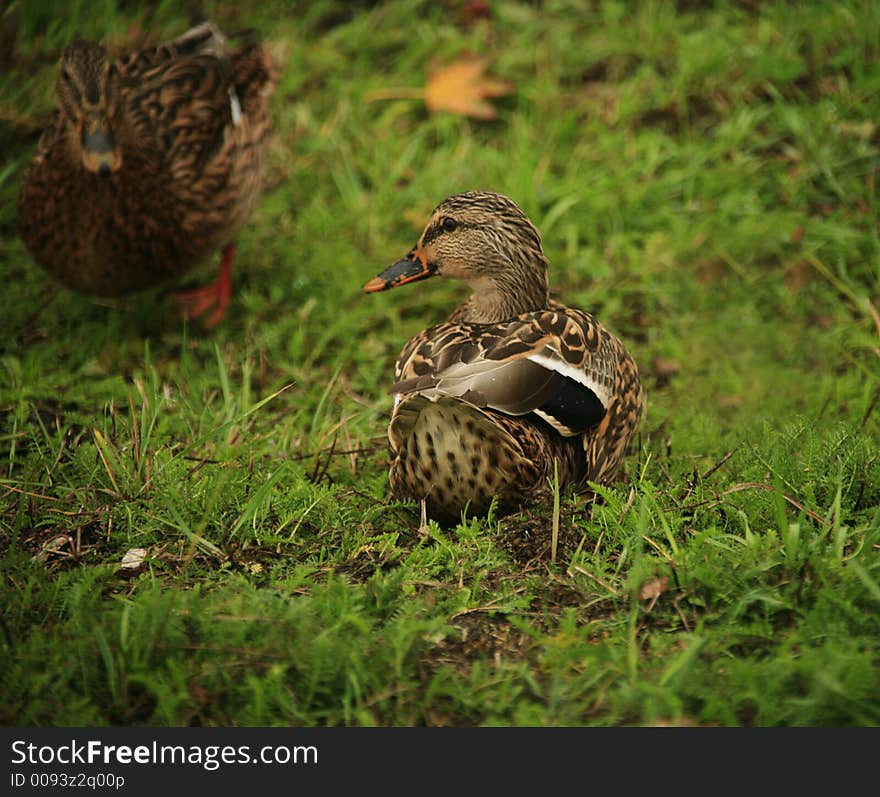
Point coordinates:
[[514, 384], [150, 163]]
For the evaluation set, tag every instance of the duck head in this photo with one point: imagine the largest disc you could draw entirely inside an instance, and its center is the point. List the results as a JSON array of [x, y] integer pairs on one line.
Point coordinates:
[[88, 95], [485, 240]]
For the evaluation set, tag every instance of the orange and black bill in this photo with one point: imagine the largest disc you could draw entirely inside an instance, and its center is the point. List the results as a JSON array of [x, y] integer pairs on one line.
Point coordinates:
[[412, 268], [99, 151]]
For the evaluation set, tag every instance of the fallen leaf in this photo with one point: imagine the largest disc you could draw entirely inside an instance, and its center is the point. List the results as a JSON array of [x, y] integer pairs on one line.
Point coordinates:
[[462, 86], [653, 589], [53, 546], [133, 560]]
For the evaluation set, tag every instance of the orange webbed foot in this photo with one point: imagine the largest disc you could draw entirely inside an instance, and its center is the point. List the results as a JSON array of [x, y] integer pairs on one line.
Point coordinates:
[[195, 303]]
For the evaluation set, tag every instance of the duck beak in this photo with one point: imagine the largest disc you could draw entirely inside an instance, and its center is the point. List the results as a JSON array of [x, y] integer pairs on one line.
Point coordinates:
[[99, 152], [412, 268]]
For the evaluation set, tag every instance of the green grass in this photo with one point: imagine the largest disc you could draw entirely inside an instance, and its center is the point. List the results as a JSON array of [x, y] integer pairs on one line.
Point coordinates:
[[705, 182]]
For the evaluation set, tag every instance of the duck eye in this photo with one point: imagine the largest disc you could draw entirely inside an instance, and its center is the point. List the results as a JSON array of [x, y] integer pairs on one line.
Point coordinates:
[[449, 224]]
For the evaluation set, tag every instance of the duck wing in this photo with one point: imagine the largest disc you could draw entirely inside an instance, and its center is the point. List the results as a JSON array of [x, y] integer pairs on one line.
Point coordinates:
[[558, 363]]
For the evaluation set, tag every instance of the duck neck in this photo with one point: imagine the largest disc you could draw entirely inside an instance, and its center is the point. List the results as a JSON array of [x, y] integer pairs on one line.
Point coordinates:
[[504, 296]]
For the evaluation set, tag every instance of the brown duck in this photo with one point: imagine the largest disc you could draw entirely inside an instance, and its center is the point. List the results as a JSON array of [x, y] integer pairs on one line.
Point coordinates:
[[512, 383], [151, 162]]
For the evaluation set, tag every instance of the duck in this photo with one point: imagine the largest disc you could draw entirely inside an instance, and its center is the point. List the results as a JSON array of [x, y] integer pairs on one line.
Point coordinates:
[[150, 163], [515, 391]]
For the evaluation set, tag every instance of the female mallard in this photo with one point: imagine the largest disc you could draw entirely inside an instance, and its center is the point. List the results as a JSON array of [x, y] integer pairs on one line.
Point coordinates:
[[150, 163], [512, 383]]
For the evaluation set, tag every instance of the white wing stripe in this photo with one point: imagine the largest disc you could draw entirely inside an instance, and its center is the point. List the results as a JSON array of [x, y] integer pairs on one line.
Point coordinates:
[[234, 107]]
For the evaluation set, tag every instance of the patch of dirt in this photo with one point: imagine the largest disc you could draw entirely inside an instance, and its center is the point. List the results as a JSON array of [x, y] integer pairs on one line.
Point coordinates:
[[341, 15], [477, 635], [364, 563], [527, 536], [693, 109], [611, 69], [563, 593]]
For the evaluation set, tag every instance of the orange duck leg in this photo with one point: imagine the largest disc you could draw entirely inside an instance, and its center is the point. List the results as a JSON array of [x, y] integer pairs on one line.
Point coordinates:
[[195, 303]]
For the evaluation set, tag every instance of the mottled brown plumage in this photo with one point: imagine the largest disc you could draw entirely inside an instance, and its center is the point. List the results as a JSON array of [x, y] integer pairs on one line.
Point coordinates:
[[151, 162], [512, 383]]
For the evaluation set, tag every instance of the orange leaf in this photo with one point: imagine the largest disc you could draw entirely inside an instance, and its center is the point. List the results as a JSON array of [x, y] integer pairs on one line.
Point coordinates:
[[462, 86]]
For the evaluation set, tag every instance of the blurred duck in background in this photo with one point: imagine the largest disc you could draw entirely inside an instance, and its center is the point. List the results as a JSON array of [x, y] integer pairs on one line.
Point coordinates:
[[151, 163]]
